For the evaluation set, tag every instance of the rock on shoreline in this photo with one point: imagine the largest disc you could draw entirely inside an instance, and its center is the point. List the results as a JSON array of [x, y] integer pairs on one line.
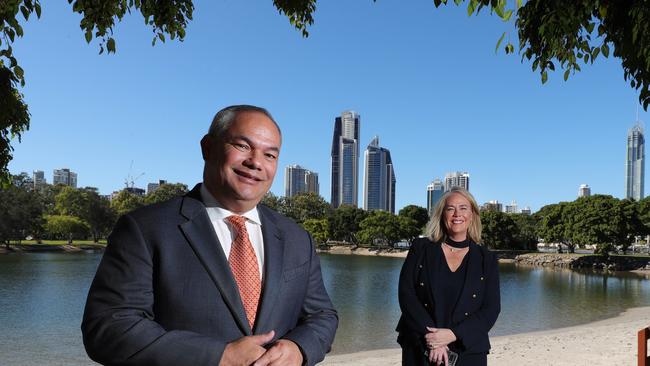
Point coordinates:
[[572, 261]]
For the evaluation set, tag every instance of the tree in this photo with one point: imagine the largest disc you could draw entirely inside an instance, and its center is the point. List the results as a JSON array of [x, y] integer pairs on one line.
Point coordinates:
[[126, 202], [344, 223], [273, 202], [66, 227], [499, 230], [21, 214], [99, 215], [419, 214], [555, 224], [409, 228], [380, 228], [166, 19], [306, 206], [605, 221], [318, 228], [165, 192], [526, 231], [87, 205]]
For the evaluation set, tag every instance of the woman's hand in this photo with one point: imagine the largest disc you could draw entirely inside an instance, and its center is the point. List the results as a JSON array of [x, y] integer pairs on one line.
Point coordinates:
[[438, 356], [439, 337]]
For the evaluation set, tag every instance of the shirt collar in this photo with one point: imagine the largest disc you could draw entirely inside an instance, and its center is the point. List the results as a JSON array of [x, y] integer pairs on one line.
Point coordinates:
[[221, 213]]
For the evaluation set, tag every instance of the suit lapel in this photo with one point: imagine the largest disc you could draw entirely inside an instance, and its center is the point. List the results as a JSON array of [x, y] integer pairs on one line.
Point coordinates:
[[201, 236], [273, 263]]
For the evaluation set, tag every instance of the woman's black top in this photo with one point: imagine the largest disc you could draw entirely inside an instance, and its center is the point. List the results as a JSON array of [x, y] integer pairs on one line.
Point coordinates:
[[451, 285], [430, 295]]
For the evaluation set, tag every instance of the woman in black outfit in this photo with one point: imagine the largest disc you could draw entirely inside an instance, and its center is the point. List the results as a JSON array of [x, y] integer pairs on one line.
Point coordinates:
[[449, 288]]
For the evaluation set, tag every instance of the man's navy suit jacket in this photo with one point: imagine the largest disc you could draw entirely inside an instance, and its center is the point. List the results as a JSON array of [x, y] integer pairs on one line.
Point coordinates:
[[164, 293]]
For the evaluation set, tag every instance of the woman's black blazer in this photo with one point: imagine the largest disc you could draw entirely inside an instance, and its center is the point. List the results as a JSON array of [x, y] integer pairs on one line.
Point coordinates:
[[476, 310]]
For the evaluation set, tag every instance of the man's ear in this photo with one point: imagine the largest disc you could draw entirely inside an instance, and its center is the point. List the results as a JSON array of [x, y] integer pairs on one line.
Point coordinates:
[[206, 145]]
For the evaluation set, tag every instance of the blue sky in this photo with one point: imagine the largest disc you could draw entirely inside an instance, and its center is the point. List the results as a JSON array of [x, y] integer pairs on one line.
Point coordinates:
[[426, 81]]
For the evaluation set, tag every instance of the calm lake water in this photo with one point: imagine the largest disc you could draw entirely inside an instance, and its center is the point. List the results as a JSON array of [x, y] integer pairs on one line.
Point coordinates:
[[42, 297]]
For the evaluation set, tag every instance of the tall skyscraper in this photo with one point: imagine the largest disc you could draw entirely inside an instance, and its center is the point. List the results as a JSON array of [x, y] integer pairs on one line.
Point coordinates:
[[584, 190], [345, 159], [38, 176], [635, 163], [456, 179], [64, 176], [435, 190], [379, 178], [299, 180]]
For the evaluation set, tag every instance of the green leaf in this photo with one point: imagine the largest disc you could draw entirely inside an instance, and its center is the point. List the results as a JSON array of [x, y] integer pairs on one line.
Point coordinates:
[[566, 74], [19, 72], [590, 27], [518, 4], [162, 37], [544, 77], [551, 66], [110, 45], [507, 15], [605, 50], [37, 7], [25, 11], [499, 42], [471, 7], [594, 54], [89, 36]]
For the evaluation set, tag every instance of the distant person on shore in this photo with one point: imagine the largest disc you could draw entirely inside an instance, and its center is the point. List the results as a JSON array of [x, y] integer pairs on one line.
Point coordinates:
[[449, 288], [213, 278]]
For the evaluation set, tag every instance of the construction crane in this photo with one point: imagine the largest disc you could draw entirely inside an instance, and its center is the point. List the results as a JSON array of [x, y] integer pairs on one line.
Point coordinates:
[[129, 181]]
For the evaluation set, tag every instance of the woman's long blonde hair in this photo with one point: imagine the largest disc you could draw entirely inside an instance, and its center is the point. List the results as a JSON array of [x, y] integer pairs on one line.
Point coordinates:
[[436, 230]]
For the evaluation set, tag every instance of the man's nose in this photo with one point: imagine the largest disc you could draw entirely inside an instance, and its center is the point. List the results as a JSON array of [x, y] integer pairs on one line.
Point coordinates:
[[252, 161]]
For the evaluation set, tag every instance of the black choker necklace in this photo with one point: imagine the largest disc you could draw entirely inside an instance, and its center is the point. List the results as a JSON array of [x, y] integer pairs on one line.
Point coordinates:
[[456, 245]]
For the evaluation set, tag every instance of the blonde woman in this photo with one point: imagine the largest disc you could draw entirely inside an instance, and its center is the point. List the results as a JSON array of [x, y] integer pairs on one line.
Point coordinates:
[[449, 289]]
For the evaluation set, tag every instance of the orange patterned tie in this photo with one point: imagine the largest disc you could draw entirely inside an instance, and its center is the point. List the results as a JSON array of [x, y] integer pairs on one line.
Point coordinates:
[[243, 264]]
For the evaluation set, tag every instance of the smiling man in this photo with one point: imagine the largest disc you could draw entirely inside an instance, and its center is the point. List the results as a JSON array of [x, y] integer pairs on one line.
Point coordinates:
[[213, 278]]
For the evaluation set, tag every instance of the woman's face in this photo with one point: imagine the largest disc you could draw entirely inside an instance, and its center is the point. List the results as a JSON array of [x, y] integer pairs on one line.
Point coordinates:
[[458, 215]]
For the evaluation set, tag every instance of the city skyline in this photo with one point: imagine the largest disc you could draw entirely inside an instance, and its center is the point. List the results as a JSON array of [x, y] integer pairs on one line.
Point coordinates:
[[441, 103]]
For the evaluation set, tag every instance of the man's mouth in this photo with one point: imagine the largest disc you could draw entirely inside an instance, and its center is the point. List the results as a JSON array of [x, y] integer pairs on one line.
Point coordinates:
[[247, 175]]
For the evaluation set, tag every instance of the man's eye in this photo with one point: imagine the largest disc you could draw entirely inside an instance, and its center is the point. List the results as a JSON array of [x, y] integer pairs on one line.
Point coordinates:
[[241, 147], [270, 156]]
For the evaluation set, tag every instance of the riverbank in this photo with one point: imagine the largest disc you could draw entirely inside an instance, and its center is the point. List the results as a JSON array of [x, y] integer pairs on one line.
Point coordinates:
[[62, 248], [587, 261], [606, 342], [571, 261]]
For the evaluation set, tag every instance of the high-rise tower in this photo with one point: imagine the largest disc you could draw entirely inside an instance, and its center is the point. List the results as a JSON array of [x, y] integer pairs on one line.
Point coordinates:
[[435, 190], [456, 179], [635, 163], [299, 180], [345, 159], [379, 178]]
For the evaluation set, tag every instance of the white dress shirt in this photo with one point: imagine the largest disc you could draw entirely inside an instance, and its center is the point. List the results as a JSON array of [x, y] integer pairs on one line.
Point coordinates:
[[226, 233]]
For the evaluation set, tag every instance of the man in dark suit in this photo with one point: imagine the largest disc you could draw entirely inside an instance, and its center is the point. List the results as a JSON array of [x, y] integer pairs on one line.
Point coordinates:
[[213, 278]]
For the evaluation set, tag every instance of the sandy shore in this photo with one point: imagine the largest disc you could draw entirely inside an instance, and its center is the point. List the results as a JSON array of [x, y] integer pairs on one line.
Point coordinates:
[[607, 342]]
